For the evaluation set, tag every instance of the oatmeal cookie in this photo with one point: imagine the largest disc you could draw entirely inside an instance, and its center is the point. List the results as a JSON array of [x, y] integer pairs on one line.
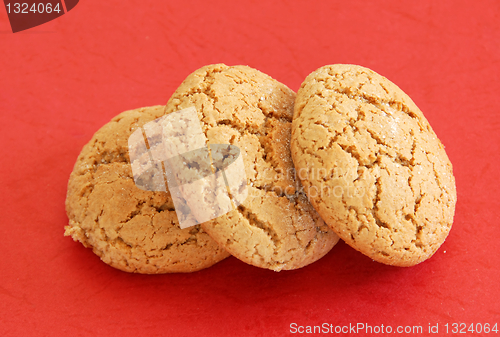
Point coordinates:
[[371, 165], [129, 228], [275, 227]]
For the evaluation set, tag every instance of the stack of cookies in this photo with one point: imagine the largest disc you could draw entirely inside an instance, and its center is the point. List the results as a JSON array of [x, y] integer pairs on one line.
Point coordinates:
[[349, 156]]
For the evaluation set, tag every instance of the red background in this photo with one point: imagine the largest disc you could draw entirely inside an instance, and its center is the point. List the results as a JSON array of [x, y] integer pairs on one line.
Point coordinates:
[[60, 82]]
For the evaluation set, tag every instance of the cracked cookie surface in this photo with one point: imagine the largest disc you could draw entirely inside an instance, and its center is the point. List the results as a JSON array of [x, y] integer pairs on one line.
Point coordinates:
[[129, 228], [371, 165], [275, 227]]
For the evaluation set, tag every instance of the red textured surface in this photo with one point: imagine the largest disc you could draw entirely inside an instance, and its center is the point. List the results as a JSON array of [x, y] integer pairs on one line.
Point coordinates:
[[60, 82]]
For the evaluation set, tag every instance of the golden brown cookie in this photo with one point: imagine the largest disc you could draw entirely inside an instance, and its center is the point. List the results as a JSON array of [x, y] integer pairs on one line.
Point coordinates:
[[371, 165], [275, 227], [129, 228]]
